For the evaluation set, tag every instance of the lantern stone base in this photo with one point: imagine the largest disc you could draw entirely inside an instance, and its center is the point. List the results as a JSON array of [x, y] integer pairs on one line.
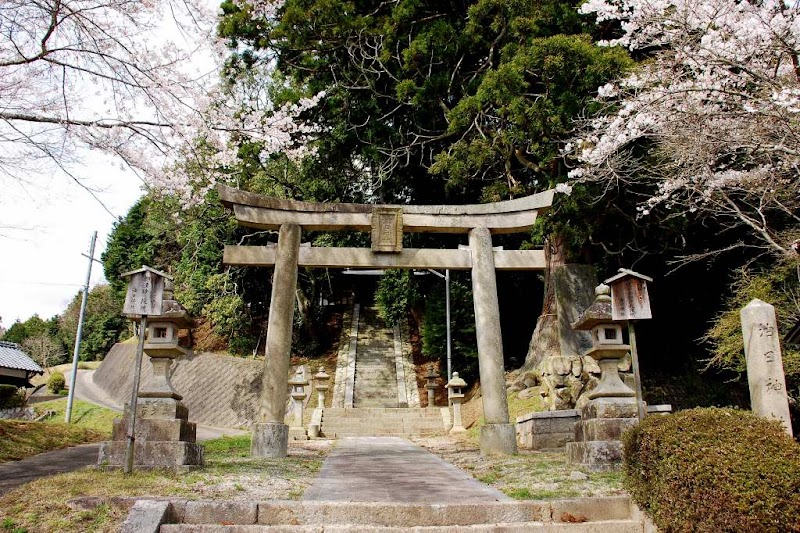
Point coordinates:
[[164, 437], [498, 439], [298, 434], [603, 420], [153, 454], [270, 439], [595, 455]]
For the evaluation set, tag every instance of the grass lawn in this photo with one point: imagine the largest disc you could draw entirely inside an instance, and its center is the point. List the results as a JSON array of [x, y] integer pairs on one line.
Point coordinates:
[[230, 473], [20, 439], [84, 414]]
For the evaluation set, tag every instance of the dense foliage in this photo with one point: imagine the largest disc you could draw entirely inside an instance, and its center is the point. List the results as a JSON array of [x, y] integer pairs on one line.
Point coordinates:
[[779, 286], [56, 382], [464, 351], [11, 396], [710, 470]]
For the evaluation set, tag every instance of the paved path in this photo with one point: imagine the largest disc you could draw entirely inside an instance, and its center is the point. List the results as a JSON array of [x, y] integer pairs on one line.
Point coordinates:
[[16, 473], [391, 469]]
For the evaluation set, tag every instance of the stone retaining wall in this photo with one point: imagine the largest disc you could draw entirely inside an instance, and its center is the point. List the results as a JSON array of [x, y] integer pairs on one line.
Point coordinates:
[[18, 413], [219, 390]]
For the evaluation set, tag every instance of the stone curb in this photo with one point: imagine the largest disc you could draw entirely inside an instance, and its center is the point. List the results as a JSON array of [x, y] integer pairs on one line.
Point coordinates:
[[614, 526], [146, 516]]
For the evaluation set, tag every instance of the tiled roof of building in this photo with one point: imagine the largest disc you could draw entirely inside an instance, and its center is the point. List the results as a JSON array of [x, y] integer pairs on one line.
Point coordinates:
[[11, 356]]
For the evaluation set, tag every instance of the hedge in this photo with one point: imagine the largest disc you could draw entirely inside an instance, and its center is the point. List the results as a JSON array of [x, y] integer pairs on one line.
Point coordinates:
[[56, 382], [11, 396], [713, 470]]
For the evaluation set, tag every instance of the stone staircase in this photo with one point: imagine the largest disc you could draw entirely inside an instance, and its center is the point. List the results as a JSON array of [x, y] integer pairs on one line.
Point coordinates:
[[375, 421], [383, 384], [583, 515], [376, 375]]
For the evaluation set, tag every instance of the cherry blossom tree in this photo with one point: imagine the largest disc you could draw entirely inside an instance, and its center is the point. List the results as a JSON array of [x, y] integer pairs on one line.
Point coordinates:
[[709, 123], [133, 78]]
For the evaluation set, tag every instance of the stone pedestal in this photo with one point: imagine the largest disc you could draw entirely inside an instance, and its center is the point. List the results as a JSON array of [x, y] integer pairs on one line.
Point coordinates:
[[498, 439], [164, 437], [603, 420], [269, 440]]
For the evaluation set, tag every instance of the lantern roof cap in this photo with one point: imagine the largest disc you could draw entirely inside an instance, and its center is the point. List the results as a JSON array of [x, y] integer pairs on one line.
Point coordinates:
[[174, 312], [624, 273], [298, 378], [598, 313], [456, 382]]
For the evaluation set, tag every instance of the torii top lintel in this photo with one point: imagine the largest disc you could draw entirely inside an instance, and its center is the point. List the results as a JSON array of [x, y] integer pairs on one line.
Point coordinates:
[[263, 212]]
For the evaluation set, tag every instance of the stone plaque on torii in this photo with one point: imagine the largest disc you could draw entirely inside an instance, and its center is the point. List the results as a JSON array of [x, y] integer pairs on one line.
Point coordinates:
[[386, 224]]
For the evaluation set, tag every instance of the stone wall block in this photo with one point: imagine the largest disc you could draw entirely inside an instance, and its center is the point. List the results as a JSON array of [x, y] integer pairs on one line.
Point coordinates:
[[218, 512]]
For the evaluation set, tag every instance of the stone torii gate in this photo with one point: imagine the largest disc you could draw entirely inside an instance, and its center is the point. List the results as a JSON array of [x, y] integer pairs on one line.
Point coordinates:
[[387, 223]]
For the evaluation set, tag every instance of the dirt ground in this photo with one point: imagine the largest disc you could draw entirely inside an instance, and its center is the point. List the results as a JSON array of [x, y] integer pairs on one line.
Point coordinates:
[[530, 475]]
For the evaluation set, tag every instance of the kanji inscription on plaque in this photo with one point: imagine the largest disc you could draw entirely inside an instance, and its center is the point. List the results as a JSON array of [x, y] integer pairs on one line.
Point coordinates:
[[145, 292], [387, 229]]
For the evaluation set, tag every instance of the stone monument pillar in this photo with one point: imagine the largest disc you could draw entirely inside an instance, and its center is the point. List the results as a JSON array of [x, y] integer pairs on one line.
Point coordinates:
[[456, 387], [498, 436], [765, 375], [164, 436], [611, 405], [270, 433]]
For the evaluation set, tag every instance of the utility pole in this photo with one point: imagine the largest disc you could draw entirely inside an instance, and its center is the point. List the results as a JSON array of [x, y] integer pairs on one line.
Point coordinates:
[[79, 333], [446, 278]]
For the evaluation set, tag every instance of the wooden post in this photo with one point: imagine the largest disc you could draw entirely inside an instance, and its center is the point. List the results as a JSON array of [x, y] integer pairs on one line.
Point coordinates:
[[640, 410], [137, 375]]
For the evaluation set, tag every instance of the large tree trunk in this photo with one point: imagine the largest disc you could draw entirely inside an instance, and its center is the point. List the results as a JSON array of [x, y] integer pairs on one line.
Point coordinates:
[[569, 289], [545, 339]]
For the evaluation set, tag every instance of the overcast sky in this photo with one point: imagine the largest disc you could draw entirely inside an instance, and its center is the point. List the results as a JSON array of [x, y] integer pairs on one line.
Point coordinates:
[[45, 226]]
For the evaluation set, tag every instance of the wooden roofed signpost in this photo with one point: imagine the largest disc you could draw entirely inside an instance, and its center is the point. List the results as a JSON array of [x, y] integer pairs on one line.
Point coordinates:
[[386, 224], [144, 298], [630, 301]]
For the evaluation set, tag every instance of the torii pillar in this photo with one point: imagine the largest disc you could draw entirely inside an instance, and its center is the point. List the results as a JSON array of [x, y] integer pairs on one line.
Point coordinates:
[[270, 433], [498, 436]]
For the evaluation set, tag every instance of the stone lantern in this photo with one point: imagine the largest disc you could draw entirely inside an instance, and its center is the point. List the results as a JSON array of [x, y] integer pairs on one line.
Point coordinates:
[[321, 382], [298, 385], [612, 404], [455, 389], [164, 436], [163, 345], [430, 384]]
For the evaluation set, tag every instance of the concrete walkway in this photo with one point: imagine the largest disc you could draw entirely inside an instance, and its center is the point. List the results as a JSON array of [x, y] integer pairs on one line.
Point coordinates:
[[16, 473], [391, 469]]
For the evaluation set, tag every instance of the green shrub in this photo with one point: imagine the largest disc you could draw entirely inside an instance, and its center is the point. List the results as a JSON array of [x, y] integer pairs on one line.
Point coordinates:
[[56, 382], [11, 396], [712, 470]]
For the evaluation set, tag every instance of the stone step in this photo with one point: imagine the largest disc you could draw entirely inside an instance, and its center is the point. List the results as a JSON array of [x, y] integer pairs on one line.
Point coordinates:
[[362, 422], [583, 514], [383, 411], [610, 526]]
